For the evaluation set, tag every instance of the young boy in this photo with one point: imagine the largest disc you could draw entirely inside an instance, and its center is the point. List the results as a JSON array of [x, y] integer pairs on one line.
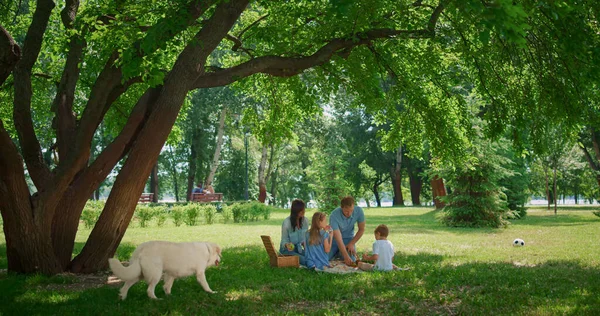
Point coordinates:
[[383, 252]]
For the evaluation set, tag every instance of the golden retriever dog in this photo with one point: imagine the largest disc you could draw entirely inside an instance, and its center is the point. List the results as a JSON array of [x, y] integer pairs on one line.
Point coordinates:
[[153, 258]]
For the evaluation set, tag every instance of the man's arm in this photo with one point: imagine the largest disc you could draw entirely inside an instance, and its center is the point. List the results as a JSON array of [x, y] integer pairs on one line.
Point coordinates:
[[337, 235], [359, 233]]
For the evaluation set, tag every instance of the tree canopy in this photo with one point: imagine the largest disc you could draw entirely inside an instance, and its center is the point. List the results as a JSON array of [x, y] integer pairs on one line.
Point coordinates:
[[423, 68]]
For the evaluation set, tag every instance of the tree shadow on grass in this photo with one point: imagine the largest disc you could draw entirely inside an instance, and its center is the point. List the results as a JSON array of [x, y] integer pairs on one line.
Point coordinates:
[[247, 284]]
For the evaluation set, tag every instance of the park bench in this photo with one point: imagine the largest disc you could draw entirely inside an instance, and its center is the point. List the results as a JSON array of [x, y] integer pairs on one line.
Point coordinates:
[[276, 259], [146, 198], [207, 197]]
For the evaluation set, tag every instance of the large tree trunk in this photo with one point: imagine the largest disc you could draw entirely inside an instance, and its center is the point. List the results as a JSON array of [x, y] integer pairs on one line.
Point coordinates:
[[274, 186], [547, 186], [397, 179], [10, 53], [439, 190], [416, 185], [118, 211], [554, 191], [28, 238], [174, 174], [262, 183], [215, 162], [192, 162], [154, 183], [376, 193]]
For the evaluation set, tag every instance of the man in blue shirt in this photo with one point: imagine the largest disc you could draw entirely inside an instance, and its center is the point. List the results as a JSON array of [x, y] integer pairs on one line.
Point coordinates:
[[342, 221], [198, 188]]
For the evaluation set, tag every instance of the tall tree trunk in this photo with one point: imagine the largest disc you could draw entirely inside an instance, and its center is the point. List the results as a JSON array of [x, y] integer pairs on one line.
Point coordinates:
[[118, 210], [10, 53], [547, 186], [397, 179], [174, 174], [154, 183], [192, 162], [28, 238], [215, 162], [262, 184], [439, 190], [416, 185], [554, 191], [376, 193], [274, 186]]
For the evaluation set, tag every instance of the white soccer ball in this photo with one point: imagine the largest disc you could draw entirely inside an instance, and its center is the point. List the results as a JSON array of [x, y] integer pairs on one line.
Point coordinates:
[[518, 242]]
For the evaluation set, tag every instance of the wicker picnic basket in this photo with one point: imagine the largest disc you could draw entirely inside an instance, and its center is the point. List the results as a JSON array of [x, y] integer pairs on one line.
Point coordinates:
[[279, 260]]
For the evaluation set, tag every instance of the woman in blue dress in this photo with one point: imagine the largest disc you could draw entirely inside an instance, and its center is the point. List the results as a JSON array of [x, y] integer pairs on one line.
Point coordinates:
[[293, 232], [319, 242]]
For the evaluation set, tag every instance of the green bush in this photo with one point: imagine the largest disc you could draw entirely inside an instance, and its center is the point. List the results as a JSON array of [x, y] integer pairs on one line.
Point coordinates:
[[477, 200], [144, 214], [161, 215], [255, 210], [192, 214], [210, 212], [161, 218], [240, 212], [90, 216], [177, 214], [226, 213]]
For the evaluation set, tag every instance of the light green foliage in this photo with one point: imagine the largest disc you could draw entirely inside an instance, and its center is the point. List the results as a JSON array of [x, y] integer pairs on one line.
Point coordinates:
[[251, 211], [210, 212], [161, 217], [226, 213], [144, 214], [191, 214], [91, 212], [177, 214]]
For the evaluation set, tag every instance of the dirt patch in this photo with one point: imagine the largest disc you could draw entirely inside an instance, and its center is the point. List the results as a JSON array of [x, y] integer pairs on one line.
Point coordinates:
[[82, 282]]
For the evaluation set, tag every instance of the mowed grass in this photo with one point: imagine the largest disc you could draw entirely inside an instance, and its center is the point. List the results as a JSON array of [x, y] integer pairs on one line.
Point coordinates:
[[453, 271]]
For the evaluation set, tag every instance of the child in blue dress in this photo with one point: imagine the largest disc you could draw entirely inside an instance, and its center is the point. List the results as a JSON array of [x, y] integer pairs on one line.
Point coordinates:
[[319, 242]]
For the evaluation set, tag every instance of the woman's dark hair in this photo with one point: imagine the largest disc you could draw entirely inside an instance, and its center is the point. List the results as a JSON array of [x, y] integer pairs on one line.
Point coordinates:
[[297, 207]]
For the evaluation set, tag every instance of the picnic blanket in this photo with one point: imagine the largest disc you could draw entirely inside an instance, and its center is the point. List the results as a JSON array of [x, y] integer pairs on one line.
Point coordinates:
[[339, 267]]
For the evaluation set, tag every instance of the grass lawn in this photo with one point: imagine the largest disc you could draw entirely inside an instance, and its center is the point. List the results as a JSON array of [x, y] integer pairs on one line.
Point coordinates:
[[453, 271]]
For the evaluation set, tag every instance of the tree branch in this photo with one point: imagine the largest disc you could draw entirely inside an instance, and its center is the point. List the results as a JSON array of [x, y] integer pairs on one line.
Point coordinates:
[[63, 102], [118, 148], [38, 170], [10, 53], [290, 66], [590, 159]]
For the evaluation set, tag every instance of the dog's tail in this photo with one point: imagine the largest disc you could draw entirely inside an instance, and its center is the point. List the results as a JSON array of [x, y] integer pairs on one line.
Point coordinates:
[[133, 271]]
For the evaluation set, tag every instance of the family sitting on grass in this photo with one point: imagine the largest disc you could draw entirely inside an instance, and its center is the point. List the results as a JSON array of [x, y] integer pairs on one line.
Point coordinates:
[[320, 244]]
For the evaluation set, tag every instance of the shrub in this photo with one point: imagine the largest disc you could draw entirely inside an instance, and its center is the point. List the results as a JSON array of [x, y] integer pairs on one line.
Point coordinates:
[[192, 214], [255, 209], [160, 212], [226, 213], [240, 212], [89, 216], [177, 214], [161, 219], [210, 211], [144, 214], [477, 200]]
